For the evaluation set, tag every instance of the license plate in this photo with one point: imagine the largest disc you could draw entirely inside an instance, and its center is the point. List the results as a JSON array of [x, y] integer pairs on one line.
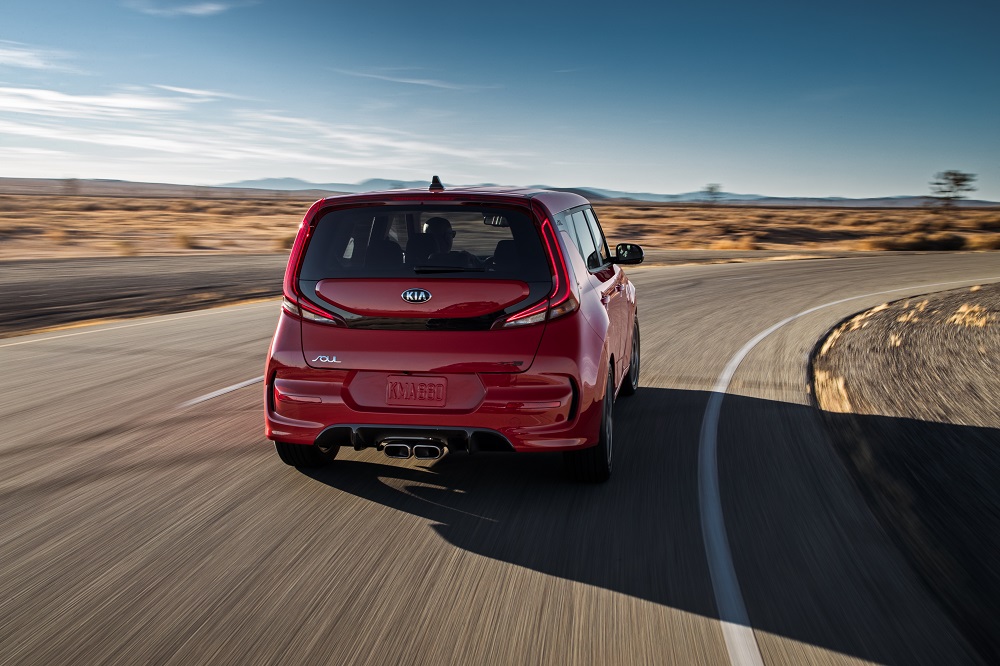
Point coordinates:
[[416, 391]]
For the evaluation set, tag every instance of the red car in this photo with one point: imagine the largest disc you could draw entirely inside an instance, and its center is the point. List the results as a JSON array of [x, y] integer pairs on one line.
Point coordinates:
[[484, 319]]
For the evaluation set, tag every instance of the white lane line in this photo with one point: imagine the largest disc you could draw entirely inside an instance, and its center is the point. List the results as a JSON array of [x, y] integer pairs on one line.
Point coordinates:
[[222, 391], [146, 322], [736, 629]]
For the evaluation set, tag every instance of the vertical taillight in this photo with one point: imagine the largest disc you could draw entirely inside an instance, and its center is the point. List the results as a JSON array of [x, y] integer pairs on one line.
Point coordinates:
[[293, 302], [560, 300]]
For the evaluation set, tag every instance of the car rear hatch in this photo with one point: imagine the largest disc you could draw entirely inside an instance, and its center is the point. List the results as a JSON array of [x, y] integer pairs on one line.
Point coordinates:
[[391, 289]]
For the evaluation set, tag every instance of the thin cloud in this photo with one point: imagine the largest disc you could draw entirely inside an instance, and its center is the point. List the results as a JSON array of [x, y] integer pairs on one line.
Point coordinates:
[[15, 54], [142, 124], [198, 93], [430, 83], [39, 101], [190, 9]]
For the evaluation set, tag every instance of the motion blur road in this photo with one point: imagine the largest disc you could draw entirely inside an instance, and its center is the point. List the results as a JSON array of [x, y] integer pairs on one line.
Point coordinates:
[[140, 528]]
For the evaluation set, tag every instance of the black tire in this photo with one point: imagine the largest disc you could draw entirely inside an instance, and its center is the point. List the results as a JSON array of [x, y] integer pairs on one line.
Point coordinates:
[[631, 383], [302, 455], [593, 465]]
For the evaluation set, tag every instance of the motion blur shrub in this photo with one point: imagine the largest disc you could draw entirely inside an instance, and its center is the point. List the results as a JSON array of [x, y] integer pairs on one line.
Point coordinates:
[[942, 241], [990, 224], [127, 248], [985, 242], [187, 242]]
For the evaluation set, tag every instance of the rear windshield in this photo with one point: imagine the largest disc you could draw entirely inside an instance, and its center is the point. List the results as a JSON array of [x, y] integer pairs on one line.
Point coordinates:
[[403, 241]]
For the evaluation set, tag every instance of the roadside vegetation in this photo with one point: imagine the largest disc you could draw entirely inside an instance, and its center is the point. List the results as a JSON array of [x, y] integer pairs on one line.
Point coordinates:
[[38, 227]]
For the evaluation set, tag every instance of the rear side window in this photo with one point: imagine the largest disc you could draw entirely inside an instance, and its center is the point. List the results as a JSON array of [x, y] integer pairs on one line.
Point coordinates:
[[595, 230], [400, 241]]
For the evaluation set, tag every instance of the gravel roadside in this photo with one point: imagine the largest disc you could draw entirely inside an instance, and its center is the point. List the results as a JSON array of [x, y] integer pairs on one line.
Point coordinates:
[[911, 391], [46, 293]]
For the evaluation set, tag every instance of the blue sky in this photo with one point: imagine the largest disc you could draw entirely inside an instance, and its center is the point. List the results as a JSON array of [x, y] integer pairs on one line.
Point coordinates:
[[783, 98]]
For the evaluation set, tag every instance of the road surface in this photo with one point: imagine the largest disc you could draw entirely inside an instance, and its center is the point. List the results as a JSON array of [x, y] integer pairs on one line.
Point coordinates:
[[143, 525]]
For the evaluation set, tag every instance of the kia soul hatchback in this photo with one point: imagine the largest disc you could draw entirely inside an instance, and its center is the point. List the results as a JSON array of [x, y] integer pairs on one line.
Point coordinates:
[[420, 321]]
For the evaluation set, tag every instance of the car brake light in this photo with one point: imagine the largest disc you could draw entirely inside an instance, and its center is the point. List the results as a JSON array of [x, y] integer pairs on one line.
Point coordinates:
[[560, 301], [293, 302]]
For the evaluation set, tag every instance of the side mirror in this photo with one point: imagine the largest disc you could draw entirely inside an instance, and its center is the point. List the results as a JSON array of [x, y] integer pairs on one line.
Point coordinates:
[[628, 253]]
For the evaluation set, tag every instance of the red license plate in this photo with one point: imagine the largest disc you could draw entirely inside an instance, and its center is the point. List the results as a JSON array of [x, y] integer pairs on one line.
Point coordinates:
[[416, 391]]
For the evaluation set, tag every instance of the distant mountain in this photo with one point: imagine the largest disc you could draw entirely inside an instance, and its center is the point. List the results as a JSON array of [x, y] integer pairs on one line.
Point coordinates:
[[291, 184], [649, 196], [597, 193], [284, 188]]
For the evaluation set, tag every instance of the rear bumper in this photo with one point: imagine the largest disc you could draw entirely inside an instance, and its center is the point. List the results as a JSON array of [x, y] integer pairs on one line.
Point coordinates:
[[553, 405], [513, 412]]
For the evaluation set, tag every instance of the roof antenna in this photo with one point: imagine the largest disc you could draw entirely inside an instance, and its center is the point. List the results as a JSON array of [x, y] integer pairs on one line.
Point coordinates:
[[436, 185]]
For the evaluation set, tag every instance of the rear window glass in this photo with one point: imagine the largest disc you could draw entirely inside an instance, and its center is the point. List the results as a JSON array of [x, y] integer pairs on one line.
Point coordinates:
[[397, 241]]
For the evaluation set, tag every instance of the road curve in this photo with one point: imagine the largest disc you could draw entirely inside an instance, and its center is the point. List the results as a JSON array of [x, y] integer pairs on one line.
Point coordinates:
[[141, 525]]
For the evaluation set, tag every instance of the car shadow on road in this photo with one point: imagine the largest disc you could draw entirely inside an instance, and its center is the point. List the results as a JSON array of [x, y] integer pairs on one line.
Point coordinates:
[[813, 564]]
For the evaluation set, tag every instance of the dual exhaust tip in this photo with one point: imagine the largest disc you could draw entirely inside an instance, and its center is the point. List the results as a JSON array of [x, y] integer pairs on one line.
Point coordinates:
[[421, 449]]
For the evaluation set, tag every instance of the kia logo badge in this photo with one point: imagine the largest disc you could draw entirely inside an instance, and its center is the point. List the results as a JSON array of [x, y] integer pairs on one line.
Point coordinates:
[[416, 295]]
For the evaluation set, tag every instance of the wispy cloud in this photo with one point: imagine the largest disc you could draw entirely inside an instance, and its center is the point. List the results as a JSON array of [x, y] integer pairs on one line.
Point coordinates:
[[16, 54], [430, 83], [186, 9], [200, 94], [171, 125], [39, 101]]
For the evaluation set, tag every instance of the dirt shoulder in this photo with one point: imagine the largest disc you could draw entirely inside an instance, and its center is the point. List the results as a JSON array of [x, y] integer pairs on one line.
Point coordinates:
[[911, 391], [56, 292]]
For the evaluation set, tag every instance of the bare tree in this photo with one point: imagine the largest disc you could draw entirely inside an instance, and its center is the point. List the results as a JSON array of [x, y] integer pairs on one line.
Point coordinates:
[[713, 192], [950, 186]]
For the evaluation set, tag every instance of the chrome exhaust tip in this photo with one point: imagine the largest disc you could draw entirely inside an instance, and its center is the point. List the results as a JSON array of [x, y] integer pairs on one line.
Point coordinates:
[[427, 451], [396, 450]]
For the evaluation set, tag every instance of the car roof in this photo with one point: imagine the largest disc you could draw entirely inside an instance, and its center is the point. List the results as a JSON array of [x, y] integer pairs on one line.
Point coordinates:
[[554, 200]]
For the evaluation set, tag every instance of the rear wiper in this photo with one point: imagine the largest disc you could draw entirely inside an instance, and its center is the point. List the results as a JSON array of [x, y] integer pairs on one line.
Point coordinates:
[[448, 269]]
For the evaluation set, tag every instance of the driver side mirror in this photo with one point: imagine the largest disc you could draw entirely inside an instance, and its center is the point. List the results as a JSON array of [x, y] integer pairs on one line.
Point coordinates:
[[627, 253]]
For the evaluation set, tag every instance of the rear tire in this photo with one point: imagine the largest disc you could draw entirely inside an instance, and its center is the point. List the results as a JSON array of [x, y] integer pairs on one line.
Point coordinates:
[[593, 465], [631, 383], [303, 455]]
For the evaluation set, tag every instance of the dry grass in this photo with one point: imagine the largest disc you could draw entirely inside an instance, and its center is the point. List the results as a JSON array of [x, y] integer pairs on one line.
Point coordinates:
[[35, 226], [970, 316], [748, 228]]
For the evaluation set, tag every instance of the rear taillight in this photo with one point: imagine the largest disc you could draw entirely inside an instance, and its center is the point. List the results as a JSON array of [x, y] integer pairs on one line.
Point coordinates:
[[560, 300], [293, 302]]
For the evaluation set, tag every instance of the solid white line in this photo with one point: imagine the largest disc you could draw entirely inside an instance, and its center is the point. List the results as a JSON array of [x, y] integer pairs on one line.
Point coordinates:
[[222, 391], [736, 628], [151, 320]]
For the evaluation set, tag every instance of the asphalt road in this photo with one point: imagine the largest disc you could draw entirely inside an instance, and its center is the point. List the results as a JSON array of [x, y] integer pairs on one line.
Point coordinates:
[[135, 530], [45, 293]]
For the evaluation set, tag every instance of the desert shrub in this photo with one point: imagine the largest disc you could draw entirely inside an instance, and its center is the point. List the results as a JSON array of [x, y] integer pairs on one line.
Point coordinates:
[[942, 241], [187, 241], [127, 248], [984, 242], [284, 242], [748, 242], [989, 224], [190, 207], [60, 236], [946, 241]]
